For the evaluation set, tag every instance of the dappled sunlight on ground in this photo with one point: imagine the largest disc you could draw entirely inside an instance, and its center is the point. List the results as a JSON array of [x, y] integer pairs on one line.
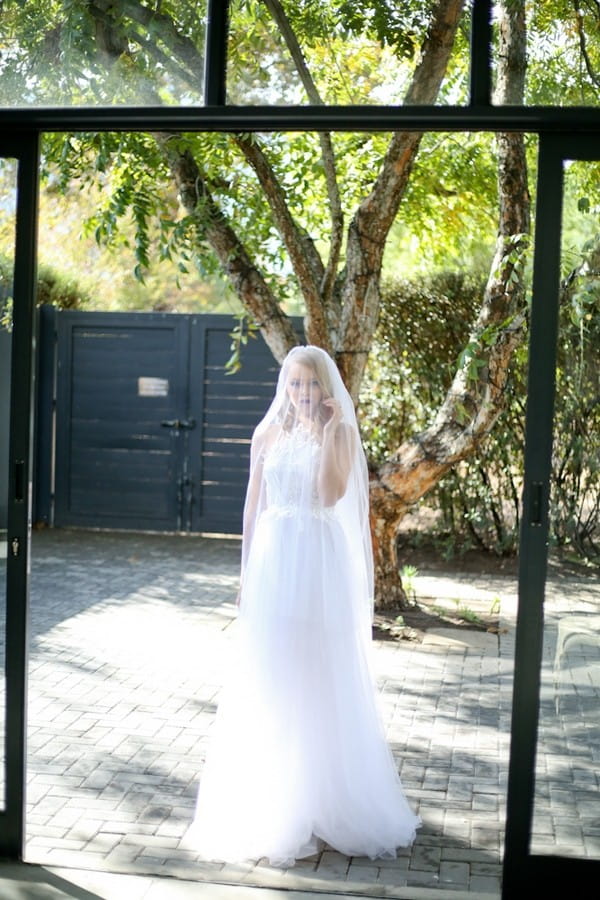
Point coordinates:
[[130, 637]]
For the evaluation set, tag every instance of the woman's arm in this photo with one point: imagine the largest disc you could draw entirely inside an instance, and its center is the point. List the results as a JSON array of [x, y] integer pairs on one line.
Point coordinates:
[[336, 457], [251, 502], [260, 444]]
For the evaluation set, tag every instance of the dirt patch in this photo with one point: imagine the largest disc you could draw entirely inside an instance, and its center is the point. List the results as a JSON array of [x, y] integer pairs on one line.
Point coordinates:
[[427, 556], [412, 623], [425, 612]]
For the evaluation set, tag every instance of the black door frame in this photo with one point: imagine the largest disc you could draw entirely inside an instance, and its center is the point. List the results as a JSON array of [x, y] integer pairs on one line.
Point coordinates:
[[563, 132], [550, 874], [25, 149]]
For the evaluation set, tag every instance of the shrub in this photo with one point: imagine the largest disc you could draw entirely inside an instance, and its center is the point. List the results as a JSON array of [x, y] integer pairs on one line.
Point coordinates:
[[422, 329], [52, 287]]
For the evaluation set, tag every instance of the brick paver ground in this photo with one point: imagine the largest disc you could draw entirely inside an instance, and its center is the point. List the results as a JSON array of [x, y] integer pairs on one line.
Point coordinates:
[[129, 642]]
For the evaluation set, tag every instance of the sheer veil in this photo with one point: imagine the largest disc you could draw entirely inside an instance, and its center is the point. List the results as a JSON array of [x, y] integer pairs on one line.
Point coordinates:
[[298, 756], [312, 422]]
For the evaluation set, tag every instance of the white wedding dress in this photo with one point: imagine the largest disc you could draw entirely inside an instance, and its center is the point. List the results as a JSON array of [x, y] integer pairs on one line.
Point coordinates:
[[299, 756]]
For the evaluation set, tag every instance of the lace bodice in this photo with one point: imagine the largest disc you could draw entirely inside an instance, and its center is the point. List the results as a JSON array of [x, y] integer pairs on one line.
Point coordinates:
[[291, 469]]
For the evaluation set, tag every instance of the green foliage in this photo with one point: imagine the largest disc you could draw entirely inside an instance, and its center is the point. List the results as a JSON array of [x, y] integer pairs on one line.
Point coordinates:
[[400, 26], [241, 334], [408, 574], [450, 209], [575, 494], [69, 52], [356, 52], [72, 52], [423, 327], [53, 288], [563, 53], [56, 289], [134, 205], [120, 232]]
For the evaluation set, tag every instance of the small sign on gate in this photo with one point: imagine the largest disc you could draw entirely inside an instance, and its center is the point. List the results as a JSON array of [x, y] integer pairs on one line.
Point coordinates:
[[153, 387]]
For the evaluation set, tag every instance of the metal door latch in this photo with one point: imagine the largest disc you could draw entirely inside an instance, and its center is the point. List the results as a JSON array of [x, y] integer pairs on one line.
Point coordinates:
[[15, 546], [178, 423]]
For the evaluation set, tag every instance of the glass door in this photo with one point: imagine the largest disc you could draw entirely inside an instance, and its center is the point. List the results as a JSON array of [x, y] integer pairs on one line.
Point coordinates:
[[18, 205], [553, 791], [8, 210], [567, 799]]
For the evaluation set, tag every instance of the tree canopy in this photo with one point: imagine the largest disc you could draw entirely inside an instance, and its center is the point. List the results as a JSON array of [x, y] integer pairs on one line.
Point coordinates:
[[303, 220]]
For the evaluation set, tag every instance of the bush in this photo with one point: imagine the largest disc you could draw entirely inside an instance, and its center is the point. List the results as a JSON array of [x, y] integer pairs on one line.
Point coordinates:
[[423, 327], [53, 288], [575, 495]]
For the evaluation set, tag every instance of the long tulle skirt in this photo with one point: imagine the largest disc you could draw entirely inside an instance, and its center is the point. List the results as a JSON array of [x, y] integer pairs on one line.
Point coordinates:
[[298, 756]]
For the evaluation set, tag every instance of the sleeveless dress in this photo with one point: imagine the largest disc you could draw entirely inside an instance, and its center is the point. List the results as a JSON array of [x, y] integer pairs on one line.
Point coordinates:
[[299, 757]]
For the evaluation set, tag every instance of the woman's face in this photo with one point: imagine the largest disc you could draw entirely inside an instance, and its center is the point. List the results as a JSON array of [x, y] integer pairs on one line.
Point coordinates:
[[304, 390]]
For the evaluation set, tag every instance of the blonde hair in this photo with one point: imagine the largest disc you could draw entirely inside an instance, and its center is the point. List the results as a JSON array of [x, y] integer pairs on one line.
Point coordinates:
[[314, 359]]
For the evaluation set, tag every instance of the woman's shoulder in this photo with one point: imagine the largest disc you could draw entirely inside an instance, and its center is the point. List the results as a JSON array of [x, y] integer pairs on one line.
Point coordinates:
[[265, 436]]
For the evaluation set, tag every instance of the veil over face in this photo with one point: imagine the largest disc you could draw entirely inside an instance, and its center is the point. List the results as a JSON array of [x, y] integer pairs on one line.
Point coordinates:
[[311, 425]]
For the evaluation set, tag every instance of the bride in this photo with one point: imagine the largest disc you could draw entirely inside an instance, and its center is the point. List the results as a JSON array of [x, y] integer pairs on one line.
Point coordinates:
[[299, 756]]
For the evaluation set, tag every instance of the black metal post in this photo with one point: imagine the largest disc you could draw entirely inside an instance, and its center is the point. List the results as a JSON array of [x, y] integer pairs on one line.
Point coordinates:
[[533, 549], [215, 61], [540, 119], [12, 820], [481, 42]]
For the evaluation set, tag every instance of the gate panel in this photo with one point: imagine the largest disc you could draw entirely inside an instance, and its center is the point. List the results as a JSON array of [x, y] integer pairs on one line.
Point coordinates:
[[228, 408], [151, 433], [120, 378]]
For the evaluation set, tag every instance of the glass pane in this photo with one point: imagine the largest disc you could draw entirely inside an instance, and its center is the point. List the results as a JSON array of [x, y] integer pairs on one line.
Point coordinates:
[[567, 801], [347, 54], [563, 54], [8, 180], [446, 692], [84, 54]]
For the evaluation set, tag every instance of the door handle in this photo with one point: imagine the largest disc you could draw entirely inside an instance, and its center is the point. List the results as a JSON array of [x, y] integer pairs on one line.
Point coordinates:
[[179, 423]]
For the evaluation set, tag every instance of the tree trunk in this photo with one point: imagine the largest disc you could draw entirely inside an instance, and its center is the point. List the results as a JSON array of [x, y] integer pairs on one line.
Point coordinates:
[[387, 511], [476, 396], [342, 306], [370, 225]]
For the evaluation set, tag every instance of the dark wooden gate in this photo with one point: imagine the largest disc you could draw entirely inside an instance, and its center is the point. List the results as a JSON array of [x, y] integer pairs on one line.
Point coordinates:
[[150, 432]]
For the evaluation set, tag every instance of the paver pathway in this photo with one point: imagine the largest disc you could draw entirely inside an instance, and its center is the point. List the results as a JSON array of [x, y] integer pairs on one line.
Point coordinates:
[[129, 643]]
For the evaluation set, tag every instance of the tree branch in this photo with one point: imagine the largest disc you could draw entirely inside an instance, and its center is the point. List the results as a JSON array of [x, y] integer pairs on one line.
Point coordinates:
[[149, 46], [235, 261], [327, 153], [374, 217], [475, 398], [162, 24], [301, 249], [379, 209], [583, 43]]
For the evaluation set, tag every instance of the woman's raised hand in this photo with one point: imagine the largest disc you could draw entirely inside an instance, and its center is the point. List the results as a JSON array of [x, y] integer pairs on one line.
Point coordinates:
[[335, 414]]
